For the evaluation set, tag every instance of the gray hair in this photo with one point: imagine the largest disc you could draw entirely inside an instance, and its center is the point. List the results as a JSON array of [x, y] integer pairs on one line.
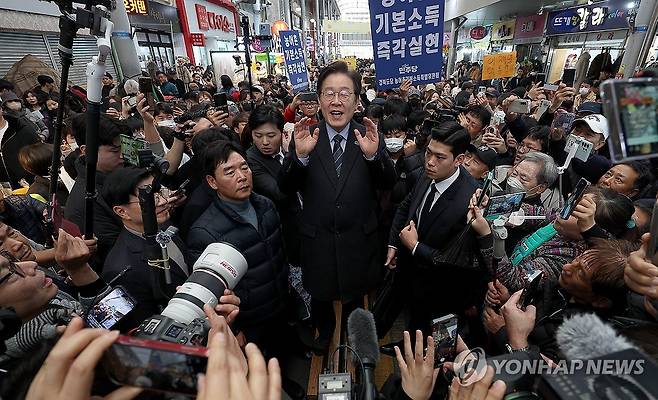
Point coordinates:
[[548, 172]]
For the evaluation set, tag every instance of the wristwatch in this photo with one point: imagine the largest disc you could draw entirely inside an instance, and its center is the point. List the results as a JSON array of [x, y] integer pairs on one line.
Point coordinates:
[[521, 350]]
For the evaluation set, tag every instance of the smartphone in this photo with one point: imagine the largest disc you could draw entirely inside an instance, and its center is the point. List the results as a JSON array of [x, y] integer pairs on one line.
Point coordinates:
[[444, 332], [564, 120], [221, 102], [531, 290], [584, 147], [485, 187], [132, 101], [482, 89], [497, 118], [631, 107], [155, 365], [181, 189], [109, 310], [130, 148], [550, 87], [503, 205], [146, 88], [308, 96], [574, 198], [520, 106]]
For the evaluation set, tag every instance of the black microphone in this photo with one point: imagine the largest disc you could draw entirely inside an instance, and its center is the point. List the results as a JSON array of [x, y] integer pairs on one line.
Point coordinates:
[[362, 335]]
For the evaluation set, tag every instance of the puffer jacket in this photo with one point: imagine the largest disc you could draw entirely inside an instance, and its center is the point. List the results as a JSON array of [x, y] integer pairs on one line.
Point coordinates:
[[264, 288]]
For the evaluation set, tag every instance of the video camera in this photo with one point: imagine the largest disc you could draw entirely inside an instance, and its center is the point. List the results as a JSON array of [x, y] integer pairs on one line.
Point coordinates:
[[219, 267], [138, 153]]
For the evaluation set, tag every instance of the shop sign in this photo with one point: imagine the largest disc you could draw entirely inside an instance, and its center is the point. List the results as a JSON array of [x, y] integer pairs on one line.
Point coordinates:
[[478, 32], [209, 20], [198, 39], [503, 31], [578, 39], [601, 16], [529, 28], [136, 7]]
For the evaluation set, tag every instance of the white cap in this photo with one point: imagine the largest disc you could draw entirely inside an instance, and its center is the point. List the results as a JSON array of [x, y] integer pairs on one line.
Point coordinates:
[[597, 123], [371, 94], [430, 86]]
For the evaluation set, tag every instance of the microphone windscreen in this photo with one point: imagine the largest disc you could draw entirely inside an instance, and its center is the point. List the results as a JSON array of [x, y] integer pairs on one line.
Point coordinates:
[[362, 334], [585, 336], [131, 87]]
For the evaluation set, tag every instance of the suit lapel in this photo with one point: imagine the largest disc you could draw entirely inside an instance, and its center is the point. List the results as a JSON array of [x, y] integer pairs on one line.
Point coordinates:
[[271, 164], [324, 154], [352, 152], [442, 204]]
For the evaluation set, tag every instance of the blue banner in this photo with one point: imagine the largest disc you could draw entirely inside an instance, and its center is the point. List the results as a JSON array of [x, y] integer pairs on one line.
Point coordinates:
[[293, 53], [407, 41], [602, 16]]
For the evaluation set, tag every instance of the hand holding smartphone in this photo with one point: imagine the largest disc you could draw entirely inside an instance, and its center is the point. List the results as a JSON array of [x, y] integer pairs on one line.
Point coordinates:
[[444, 332], [531, 290], [146, 88], [574, 198]]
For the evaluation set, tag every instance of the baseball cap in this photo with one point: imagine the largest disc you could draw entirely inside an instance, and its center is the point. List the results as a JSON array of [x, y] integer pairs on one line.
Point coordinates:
[[414, 92], [597, 123], [492, 93], [257, 88], [590, 107], [430, 86], [486, 154], [467, 85], [371, 94], [9, 96]]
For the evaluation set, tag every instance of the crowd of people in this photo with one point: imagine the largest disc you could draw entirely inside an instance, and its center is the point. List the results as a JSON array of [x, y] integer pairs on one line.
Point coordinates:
[[330, 195]]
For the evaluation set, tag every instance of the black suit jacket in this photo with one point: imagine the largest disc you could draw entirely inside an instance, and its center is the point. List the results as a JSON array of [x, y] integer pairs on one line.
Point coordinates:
[[338, 221], [436, 233], [150, 292], [265, 172]]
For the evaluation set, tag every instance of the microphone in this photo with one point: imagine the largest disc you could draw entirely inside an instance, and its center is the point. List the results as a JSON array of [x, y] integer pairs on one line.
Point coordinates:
[[362, 335], [585, 336]]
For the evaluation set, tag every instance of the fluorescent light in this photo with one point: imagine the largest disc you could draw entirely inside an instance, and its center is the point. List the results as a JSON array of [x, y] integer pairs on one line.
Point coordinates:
[[312, 20], [630, 5]]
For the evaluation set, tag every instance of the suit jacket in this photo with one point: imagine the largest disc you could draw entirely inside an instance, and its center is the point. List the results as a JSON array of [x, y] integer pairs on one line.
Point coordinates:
[[150, 292], [437, 231], [265, 172], [338, 221]]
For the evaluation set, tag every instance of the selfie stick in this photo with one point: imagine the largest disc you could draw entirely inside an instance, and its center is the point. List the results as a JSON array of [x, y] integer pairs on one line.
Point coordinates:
[[573, 149], [95, 72], [244, 24], [499, 233]]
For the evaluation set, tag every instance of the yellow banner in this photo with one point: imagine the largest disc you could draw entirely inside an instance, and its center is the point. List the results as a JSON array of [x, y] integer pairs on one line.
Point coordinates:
[[500, 65]]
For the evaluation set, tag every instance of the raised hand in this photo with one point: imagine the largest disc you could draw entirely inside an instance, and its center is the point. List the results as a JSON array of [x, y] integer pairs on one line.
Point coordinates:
[[304, 141], [418, 372], [370, 142]]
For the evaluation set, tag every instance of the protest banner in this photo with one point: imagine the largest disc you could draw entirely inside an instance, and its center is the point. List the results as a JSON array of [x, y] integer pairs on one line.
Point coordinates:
[[407, 40], [500, 65], [293, 53]]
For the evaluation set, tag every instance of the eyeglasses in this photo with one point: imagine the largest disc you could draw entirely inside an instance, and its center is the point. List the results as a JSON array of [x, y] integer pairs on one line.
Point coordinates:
[[525, 148], [13, 269], [343, 95], [157, 196]]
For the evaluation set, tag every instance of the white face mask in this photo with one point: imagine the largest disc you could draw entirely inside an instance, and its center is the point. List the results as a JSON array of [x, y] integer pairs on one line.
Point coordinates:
[[584, 91], [168, 123], [394, 145]]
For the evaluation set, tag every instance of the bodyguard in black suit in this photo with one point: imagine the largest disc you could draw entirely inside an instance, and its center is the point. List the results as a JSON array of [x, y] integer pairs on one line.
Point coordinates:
[[265, 158], [430, 234], [337, 170]]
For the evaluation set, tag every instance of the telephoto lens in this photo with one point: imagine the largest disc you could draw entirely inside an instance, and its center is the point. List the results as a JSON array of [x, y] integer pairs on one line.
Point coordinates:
[[219, 267]]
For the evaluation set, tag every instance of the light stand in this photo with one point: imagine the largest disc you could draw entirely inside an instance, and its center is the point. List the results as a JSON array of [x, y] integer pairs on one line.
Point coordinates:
[[95, 72], [244, 24]]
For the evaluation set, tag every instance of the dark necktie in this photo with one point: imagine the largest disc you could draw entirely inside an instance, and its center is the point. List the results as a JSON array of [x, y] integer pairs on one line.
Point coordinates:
[[279, 158], [428, 204], [338, 153]]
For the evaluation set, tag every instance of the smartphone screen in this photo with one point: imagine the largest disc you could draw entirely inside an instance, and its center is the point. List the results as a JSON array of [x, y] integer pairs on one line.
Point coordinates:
[[130, 148], [155, 365], [444, 333], [520, 106], [502, 205], [574, 198], [221, 102], [109, 310], [531, 290], [638, 114]]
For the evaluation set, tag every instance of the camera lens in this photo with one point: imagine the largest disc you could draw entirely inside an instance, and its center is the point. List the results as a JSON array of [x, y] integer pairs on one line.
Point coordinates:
[[219, 267]]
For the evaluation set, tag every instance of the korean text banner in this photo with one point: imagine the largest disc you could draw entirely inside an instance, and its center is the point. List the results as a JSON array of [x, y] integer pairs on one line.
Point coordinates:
[[293, 53], [499, 65], [602, 16], [407, 40]]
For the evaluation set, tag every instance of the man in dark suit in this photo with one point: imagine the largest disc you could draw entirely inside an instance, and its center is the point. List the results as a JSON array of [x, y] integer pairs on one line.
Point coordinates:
[[429, 226], [337, 170], [146, 284]]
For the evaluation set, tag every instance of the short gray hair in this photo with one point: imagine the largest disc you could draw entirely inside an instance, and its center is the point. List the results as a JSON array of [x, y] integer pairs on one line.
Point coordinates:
[[548, 172]]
